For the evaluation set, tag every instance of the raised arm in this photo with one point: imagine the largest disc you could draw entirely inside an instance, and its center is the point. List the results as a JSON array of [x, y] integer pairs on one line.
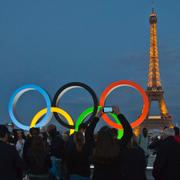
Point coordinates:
[[128, 133], [89, 135], [91, 127]]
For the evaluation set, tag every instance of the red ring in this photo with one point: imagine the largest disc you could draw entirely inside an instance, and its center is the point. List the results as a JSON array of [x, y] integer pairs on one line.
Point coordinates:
[[122, 83]]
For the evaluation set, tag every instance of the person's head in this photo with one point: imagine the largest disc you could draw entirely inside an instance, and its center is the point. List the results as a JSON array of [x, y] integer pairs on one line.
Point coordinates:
[[168, 132], [52, 130], [82, 127], [34, 132], [4, 133], [19, 134], [79, 140], [106, 147], [177, 132], [145, 132]]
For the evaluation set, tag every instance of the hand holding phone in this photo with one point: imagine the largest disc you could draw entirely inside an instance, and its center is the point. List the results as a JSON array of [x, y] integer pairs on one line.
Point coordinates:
[[116, 110]]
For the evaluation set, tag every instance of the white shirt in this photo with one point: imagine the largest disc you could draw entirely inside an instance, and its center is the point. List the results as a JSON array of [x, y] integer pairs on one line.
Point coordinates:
[[20, 146]]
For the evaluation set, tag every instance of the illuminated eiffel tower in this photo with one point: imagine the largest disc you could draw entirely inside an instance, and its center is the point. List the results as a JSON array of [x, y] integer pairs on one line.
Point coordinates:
[[154, 90]]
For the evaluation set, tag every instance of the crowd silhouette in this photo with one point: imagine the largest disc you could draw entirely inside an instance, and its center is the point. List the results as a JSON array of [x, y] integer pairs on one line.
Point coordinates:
[[50, 155]]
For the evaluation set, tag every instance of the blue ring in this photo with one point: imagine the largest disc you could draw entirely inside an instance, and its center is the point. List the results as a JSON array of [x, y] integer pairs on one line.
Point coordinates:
[[15, 97]]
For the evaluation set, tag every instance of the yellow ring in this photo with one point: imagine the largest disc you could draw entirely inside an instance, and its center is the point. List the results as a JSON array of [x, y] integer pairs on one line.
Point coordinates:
[[53, 109]]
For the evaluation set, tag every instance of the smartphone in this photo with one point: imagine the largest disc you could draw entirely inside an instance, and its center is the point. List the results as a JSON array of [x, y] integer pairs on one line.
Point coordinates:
[[108, 109]]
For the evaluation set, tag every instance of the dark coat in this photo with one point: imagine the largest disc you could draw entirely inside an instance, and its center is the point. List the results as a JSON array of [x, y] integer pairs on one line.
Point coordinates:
[[167, 163], [57, 146], [107, 170], [11, 165], [133, 164], [27, 146], [38, 164], [78, 161]]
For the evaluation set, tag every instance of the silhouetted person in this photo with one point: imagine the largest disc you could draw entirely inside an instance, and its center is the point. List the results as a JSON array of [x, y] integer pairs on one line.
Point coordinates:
[[156, 144], [20, 142], [107, 151], [57, 146], [80, 145], [56, 142], [144, 141], [167, 163], [11, 165], [34, 132], [78, 158], [133, 161], [38, 160]]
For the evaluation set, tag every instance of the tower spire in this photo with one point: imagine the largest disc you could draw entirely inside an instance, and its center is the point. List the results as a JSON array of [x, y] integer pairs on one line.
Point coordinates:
[[154, 86], [154, 81]]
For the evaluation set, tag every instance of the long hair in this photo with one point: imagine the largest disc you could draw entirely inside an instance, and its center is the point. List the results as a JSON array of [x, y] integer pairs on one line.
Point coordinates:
[[79, 140], [37, 145], [38, 151], [106, 147]]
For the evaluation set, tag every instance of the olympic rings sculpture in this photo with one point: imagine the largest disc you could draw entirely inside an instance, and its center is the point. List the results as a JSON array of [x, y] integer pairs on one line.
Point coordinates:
[[53, 108]]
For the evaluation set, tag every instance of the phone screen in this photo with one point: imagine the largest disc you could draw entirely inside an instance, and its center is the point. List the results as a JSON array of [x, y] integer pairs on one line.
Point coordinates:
[[107, 109]]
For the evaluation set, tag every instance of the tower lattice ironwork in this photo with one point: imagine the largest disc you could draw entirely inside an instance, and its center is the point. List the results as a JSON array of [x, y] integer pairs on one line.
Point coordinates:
[[155, 90]]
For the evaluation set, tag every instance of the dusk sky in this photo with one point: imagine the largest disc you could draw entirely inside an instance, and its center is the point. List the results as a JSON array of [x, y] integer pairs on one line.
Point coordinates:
[[50, 43]]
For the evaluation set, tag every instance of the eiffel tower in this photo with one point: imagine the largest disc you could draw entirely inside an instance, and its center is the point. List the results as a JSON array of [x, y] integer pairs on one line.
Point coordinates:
[[155, 90]]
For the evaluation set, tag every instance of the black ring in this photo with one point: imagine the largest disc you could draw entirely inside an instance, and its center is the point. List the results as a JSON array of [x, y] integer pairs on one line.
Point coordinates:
[[57, 97]]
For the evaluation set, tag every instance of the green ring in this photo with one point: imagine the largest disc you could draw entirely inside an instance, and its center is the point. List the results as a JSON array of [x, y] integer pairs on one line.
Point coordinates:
[[88, 111]]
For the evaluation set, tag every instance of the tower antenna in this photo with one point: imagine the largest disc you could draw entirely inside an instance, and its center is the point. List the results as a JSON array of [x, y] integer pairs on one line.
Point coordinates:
[[153, 5]]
